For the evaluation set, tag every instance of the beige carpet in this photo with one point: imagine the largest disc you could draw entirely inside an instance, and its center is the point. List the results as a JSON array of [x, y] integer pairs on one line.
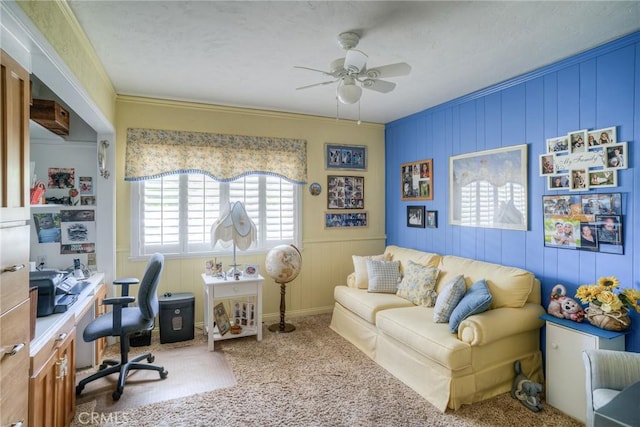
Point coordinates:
[[313, 377], [186, 362]]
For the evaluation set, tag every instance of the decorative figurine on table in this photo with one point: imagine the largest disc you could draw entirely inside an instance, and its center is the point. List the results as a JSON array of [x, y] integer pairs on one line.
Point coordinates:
[[563, 307]]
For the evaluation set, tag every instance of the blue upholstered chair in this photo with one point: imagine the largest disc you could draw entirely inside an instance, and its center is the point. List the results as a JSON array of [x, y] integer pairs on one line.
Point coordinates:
[[123, 321], [607, 373]]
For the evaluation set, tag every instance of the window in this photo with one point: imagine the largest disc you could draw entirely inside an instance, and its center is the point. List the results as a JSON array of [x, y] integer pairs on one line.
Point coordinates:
[[174, 214]]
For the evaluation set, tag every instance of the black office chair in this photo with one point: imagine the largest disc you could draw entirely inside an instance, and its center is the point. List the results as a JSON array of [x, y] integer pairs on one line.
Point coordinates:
[[123, 321]]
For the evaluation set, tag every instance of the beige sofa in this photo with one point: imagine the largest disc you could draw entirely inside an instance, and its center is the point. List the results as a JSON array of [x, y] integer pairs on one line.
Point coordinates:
[[447, 369]]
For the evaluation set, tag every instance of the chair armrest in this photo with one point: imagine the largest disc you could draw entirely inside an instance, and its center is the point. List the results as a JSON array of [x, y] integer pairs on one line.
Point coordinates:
[[118, 304], [125, 282], [611, 369], [121, 301], [498, 323]]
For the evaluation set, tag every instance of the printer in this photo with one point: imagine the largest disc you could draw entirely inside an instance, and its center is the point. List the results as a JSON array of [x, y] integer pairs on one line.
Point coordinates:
[[54, 292]]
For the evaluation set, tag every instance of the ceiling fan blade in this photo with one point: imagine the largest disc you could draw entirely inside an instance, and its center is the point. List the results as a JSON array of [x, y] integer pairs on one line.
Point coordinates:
[[314, 69], [382, 86], [317, 84], [391, 70], [355, 60]]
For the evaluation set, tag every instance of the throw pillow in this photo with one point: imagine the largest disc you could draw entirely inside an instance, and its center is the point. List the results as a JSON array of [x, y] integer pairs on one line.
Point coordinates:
[[476, 300], [383, 276], [419, 284], [448, 299], [360, 268]]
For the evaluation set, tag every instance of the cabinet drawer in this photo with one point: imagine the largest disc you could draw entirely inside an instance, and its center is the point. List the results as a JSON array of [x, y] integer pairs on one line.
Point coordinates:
[[228, 290], [55, 341], [14, 368], [14, 254]]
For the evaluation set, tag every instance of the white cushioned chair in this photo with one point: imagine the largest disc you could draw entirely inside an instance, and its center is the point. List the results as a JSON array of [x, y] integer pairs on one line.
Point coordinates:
[[607, 373]]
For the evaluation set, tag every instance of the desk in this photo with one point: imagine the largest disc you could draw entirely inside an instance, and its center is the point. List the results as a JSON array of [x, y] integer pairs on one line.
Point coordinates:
[[219, 288], [622, 410]]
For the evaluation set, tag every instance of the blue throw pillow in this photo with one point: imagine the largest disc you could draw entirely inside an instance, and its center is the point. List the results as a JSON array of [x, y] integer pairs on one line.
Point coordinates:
[[476, 300]]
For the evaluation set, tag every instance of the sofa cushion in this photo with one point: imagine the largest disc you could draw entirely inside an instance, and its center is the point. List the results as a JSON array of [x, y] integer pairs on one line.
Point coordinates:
[[509, 286], [365, 304], [383, 276], [414, 328], [448, 299], [476, 300], [396, 253], [360, 268], [419, 284]]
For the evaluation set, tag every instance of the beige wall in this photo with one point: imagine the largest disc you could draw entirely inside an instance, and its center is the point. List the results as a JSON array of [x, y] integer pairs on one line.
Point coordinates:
[[326, 253]]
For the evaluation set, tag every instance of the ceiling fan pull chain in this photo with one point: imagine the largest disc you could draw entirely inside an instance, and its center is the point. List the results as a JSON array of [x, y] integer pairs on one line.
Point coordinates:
[[359, 112], [337, 109]]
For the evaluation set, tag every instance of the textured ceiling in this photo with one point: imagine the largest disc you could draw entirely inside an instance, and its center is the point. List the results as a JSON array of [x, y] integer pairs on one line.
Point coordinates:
[[242, 53]]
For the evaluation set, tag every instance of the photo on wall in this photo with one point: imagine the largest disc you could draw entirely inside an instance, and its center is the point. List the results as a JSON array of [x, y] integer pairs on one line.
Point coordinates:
[[591, 222]]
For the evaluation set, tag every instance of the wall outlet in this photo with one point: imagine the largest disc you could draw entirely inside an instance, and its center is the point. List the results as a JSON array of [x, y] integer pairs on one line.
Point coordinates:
[[41, 261]]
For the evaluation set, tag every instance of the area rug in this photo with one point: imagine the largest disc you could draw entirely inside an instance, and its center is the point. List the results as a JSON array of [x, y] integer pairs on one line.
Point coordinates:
[[192, 369], [313, 377]]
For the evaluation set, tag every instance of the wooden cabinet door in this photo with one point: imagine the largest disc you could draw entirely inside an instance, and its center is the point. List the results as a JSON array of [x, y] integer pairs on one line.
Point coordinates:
[[42, 394], [66, 380], [14, 137]]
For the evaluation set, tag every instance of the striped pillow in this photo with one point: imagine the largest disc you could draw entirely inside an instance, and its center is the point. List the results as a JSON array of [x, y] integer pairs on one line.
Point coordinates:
[[448, 299], [383, 276]]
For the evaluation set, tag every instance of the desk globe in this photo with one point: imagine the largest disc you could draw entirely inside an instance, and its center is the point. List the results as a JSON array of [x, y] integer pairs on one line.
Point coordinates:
[[283, 264]]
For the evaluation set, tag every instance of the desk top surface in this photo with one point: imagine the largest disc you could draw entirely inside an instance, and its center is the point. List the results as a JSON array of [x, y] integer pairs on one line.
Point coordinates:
[[48, 325], [213, 280]]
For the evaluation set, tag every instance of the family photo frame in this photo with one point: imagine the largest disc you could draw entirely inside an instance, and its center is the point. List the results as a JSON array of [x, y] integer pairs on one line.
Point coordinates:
[[346, 219], [346, 157], [417, 180], [588, 222], [345, 192], [415, 216], [583, 159], [222, 319]]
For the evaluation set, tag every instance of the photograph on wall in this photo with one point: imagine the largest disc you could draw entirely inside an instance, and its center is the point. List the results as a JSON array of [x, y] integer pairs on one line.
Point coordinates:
[[558, 182], [415, 216], [78, 231], [578, 180], [417, 180], [47, 227], [616, 155], [345, 192], [558, 144], [88, 200], [489, 188], [603, 178], [432, 219], [591, 222], [578, 141], [547, 164], [62, 178], [349, 157], [342, 220], [598, 137], [86, 185]]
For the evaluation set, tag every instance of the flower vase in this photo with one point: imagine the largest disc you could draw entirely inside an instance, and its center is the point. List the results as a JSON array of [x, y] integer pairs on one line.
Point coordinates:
[[618, 320]]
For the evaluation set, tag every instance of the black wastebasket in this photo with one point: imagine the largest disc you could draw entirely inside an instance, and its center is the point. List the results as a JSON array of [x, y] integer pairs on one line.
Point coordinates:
[[176, 317]]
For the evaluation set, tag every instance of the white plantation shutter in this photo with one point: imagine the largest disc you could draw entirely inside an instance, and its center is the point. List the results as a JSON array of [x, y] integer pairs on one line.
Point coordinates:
[[175, 213]]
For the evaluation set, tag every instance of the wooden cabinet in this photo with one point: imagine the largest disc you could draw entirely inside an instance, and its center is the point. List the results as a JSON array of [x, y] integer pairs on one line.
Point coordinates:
[[14, 135], [100, 309], [565, 374], [52, 384], [14, 242]]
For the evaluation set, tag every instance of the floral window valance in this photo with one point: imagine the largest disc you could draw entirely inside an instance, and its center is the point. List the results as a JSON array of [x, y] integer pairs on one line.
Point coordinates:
[[153, 153]]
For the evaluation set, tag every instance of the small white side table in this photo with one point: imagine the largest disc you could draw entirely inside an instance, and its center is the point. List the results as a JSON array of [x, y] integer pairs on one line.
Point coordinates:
[[219, 288], [565, 375]]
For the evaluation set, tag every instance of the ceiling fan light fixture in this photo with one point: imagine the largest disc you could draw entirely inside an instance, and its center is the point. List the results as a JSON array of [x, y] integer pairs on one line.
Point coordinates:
[[348, 91]]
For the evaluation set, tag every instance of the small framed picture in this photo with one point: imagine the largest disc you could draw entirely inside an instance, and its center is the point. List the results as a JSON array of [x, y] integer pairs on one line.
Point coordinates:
[[251, 270], [222, 319], [547, 164], [578, 141], [559, 144], [432, 219], [603, 178], [616, 155], [598, 137], [345, 192], [558, 182], [578, 180], [417, 180], [346, 157], [345, 220], [415, 216]]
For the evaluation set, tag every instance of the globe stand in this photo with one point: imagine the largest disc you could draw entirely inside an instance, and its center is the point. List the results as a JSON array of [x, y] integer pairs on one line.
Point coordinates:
[[282, 326]]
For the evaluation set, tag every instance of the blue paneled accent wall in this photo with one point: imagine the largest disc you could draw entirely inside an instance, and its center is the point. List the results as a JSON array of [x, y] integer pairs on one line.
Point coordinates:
[[595, 89]]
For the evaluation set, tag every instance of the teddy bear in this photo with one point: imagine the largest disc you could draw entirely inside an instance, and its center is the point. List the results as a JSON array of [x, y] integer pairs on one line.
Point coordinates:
[[563, 307], [525, 390]]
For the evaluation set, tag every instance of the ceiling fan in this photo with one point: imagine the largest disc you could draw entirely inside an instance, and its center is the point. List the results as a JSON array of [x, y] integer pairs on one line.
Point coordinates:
[[352, 74]]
